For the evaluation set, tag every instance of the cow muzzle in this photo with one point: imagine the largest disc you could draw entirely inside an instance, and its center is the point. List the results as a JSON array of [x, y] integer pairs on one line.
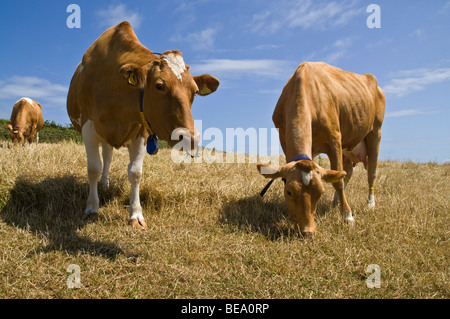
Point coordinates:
[[184, 139], [307, 234]]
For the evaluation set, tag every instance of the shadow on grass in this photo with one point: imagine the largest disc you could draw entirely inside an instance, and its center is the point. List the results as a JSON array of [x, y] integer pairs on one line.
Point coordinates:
[[267, 216], [53, 209], [254, 214]]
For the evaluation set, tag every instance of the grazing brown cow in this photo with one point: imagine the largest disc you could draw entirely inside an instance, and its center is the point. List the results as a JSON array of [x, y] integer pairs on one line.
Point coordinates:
[[323, 109], [26, 121], [120, 94]]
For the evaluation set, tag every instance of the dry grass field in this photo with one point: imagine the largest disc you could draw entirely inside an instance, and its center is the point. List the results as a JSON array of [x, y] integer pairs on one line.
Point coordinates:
[[210, 234]]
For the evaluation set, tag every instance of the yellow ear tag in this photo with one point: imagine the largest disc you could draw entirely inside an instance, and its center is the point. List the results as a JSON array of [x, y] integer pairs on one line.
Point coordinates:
[[205, 90], [131, 79]]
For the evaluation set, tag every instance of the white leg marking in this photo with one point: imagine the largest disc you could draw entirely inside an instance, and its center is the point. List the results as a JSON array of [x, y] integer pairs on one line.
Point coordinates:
[[94, 165], [371, 200], [137, 152], [348, 218], [107, 151]]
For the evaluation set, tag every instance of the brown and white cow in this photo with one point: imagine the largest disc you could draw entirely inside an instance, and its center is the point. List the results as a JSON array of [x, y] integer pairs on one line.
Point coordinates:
[[323, 109], [26, 121], [103, 103]]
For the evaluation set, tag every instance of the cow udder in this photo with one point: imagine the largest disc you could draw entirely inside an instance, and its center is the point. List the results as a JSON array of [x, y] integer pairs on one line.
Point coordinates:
[[357, 154]]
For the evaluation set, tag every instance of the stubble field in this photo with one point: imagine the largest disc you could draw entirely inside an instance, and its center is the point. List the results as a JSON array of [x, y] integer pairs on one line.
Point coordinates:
[[211, 235]]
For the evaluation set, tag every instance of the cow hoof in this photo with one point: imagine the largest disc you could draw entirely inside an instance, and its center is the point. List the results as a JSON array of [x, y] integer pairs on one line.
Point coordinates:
[[90, 218], [143, 224], [138, 224], [104, 184], [350, 222]]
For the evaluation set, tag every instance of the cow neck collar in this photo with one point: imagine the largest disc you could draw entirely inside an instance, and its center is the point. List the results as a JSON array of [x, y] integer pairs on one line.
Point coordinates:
[[17, 129], [141, 113], [301, 157], [296, 158]]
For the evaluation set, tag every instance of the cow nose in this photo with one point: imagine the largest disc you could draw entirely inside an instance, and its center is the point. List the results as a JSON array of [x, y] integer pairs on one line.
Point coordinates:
[[183, 134], [307, 234], [190, 139]]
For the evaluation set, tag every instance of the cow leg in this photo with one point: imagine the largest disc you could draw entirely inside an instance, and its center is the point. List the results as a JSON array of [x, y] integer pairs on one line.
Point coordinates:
[[37, 137], [137, 152], [373, 148], [348, 168], [94, 166], [31, 136], [336, 163], [107, 151]]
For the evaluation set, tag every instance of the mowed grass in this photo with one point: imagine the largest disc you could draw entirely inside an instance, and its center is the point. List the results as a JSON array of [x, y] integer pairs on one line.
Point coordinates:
[[210, 234]]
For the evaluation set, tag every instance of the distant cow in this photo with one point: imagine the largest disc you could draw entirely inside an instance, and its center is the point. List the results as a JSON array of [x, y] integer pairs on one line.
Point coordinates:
[[26, 121], [323, 109], [116, 76]]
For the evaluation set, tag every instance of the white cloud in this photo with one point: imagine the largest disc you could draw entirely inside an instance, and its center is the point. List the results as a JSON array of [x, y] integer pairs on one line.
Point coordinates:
[[334, 57], [332, 54], [309, 16], [410, 81], [267, 47], [383, 42], [202, 40], [271, 92], [36, 88], [243, 68], [408, 112], [305, 14], [115, 14], [445, 8], [344, 43], [418, 33]]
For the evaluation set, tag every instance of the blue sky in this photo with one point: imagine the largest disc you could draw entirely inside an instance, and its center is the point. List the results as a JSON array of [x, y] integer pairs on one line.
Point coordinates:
[[253, 47]]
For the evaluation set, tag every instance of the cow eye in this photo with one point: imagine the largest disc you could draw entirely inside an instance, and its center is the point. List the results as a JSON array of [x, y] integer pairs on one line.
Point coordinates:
[[289, 193], [159, 86]]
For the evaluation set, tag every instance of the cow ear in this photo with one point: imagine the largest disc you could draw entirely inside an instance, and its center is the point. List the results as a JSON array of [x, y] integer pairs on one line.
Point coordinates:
[[134, 75], [207, 84], [332, 176], [10, 128], [269, 171]]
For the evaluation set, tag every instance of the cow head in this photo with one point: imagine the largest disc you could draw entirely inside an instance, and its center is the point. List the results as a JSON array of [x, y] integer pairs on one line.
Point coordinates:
[[302, 190], [169, 93], [16, 135]]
